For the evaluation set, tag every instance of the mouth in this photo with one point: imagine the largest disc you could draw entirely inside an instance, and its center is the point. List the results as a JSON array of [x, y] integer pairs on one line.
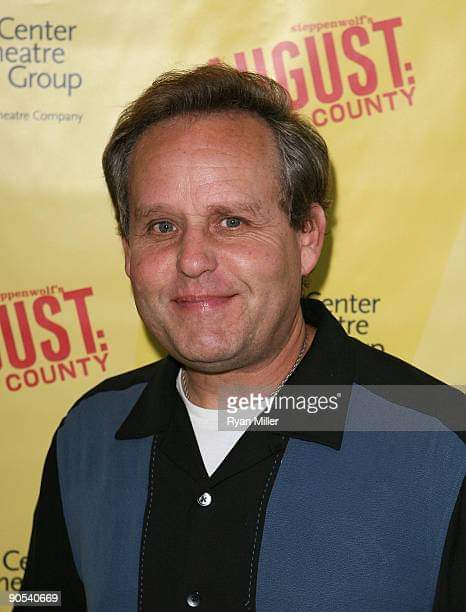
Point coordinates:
[[202, 303]]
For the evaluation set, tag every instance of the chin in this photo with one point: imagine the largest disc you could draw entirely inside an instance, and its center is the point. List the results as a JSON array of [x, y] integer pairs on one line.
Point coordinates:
[[212, 359]]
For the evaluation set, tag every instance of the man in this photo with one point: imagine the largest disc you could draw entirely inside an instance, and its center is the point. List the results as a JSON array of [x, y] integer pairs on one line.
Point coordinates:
[[220, 190]]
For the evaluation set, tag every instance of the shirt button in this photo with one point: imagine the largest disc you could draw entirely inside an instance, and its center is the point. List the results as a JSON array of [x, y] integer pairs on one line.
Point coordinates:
[[193, 600], [205, 499]]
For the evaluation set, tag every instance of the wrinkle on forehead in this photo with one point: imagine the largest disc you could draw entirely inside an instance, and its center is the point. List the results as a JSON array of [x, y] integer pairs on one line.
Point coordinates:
[[188, 125], [254, 209], [206, 160]]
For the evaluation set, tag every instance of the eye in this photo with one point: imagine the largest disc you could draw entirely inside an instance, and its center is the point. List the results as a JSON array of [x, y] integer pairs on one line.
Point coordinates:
[[162, 227], [231, 222]]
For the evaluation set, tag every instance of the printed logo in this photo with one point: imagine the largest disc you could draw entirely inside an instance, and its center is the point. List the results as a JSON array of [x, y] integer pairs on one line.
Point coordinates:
[[332, 66], [12, 568], [35, 54], [38, 348], [354, 313]]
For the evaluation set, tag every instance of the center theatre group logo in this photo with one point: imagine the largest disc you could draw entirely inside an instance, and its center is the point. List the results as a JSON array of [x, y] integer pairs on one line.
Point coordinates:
[[37, 348], [340, 58]]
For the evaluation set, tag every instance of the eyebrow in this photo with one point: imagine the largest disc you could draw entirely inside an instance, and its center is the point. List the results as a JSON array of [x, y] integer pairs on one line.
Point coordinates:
[[253, 208]]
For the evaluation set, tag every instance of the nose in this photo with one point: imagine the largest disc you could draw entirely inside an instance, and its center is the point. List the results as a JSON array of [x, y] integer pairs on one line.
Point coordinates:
[[197, 253]]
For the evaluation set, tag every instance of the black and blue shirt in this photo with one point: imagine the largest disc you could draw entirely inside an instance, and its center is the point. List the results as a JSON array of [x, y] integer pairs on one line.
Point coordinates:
[[335, 519]]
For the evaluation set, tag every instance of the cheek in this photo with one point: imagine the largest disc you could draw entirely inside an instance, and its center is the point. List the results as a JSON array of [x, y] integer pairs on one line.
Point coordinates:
[[272, 260], [150, 268], [247, 263]]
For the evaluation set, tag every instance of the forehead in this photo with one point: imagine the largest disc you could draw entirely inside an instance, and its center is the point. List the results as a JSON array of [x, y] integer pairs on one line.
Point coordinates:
[[203, 154]]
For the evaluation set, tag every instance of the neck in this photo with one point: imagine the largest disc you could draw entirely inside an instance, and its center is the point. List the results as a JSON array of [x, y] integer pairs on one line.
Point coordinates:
[[204, 389]]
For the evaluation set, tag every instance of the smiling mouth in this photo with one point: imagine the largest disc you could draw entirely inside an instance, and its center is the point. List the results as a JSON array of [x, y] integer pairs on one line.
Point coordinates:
[[202, 302]]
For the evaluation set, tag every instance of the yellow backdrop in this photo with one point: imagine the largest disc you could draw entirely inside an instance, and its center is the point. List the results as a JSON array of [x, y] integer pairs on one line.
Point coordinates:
[[382, 80]]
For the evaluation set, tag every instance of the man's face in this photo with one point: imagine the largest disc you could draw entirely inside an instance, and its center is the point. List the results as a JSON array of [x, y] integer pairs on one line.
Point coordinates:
[[214, 264]]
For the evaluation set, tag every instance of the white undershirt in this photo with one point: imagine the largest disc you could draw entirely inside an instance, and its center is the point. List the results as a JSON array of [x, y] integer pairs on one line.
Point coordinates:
[[214, 445]]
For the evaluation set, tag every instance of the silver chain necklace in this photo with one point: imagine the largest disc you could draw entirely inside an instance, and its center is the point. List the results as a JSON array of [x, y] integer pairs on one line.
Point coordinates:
[[184, 382]]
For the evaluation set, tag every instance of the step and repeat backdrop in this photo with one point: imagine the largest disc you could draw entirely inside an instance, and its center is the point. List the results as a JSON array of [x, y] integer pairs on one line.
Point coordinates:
[[382, 81]]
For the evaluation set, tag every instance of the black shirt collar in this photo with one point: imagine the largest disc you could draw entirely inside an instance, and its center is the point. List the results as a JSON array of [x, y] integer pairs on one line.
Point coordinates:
[[327, 362]]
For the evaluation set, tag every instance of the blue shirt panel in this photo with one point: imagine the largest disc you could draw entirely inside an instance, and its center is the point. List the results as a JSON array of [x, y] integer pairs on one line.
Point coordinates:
[[361, 529], [104, 485]]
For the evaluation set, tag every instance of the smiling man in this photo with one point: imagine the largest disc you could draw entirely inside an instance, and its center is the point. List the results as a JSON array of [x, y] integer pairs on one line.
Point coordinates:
[[220, 192], [208, 243]]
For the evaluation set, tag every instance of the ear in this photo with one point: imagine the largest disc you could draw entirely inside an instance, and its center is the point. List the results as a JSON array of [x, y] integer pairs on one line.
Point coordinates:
[[311, 238], [127, 251]]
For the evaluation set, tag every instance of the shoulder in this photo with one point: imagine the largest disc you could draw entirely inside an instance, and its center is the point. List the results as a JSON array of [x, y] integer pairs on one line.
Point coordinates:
[[404, 385], [113, 397], [125, 380], [376, 367]]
